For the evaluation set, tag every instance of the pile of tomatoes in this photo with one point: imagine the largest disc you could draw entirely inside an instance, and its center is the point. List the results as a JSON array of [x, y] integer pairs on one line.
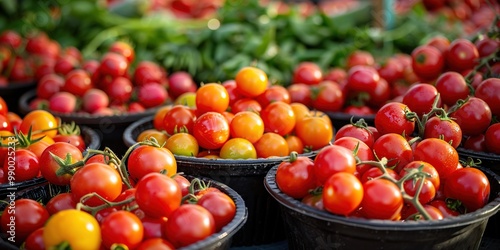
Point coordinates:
[[243, 118], [69, 83], [25, 139], [406, 166], [137, 202]]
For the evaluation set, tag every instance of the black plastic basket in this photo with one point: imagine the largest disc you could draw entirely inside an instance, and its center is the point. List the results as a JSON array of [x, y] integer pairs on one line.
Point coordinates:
[[92, 141], [340, 119], [109, 128], [218, 241], [265, 224], [489, 160], [13, 92], [328, 231]]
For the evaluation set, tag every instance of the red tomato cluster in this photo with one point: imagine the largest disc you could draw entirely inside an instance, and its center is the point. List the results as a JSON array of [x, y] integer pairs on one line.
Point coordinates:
[[26, 59], [244, 118], [21, 153], [359, 88], [133, 204], [68, 83], [452, 103], [474, 15], [345, 179]]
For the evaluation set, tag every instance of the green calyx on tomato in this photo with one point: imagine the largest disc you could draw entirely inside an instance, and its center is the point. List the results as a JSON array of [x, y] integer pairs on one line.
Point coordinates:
[[69, 129]]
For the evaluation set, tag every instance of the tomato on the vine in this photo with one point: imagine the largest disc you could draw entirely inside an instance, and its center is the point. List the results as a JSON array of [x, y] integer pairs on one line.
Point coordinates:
[[445, 129], [50, 168], [382, 199], [440, 154], [474, 116], [391, 118], [96, 178]]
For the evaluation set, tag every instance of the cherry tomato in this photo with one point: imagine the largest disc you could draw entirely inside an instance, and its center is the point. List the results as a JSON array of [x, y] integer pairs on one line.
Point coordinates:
[[295, 177], [25, 167], [342, 193], [158, 195], [211, 130], [314, 200], [314, 131], [59, 202], [359, 57], [294, 144], [159, 116], [360, 150], [474, 116], [439, 154], [395, 149], [358, 131], [427, 62], [452, 87], [420, 97], [462, 54], [300, 93], [271, 144], [212, 97], [427, 191], [333, 159], [391, 118], [470, 186], [246, 104], [123, 49], [439, 41], [328, 96], [48, 85], [41, 123], [147, 159], [492, 138], [35, 240], [238, 148], [278, 117], [96, 178], [221, 206], [382, 199], [182, 144], [49, 167], [251, 81], [247, 125], [273, 94], [160, 136], [78, 229], [475, 143], [307, 73], [77, 82], [179, 118], [445, 129], [22, 217], [122, 227], [488, 92], [188, 224], [445, 209]]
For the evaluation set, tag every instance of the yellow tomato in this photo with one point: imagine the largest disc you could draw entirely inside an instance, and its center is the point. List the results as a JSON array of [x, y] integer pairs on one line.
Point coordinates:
[[76, 228]]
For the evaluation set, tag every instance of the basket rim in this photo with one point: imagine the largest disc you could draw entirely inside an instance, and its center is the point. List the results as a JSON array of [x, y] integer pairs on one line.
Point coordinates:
[[85, 118], [479, 155], [347, 116], [290, 203], [129, 141]]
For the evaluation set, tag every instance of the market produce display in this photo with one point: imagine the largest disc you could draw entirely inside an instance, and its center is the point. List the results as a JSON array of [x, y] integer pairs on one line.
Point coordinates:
[[350, 112], [122, 201]]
